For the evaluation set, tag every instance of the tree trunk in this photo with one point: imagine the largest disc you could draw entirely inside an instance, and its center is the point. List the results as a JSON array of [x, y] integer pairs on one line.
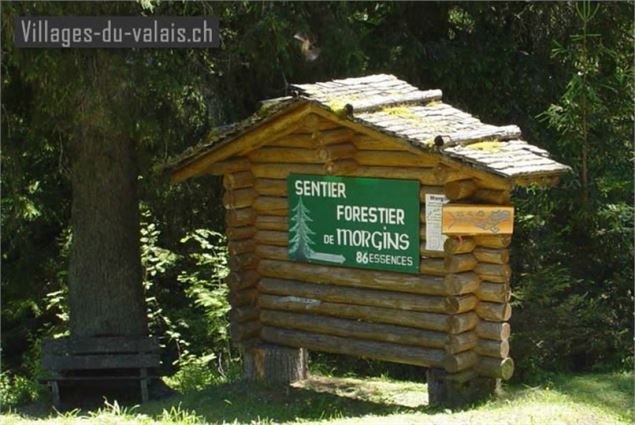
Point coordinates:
[[105, 290]]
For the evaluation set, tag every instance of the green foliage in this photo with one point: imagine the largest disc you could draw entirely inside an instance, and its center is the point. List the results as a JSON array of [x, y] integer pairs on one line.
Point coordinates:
[[575, 293], [16, 390]]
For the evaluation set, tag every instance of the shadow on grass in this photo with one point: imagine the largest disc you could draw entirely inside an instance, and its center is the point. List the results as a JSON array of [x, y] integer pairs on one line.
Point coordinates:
[[316, 398], [245, 403]]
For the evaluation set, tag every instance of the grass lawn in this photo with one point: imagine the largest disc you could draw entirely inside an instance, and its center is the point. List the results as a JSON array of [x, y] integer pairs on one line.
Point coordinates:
[[567, 399]]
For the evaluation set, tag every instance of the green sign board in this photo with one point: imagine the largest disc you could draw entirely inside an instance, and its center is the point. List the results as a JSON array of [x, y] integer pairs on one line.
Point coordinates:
[[355, 222]]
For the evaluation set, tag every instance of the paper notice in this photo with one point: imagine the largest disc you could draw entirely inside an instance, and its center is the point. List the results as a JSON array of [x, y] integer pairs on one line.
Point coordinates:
[[434, 237]]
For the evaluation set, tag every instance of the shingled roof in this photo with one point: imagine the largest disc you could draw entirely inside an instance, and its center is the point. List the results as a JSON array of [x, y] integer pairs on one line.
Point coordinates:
[[419, 117]]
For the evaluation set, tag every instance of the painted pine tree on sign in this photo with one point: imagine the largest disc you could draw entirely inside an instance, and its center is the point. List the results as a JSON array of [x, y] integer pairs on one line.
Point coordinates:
[[300, 243]]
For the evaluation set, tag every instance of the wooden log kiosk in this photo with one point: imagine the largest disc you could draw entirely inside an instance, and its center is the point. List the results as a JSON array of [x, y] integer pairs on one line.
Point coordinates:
[[366, 217]]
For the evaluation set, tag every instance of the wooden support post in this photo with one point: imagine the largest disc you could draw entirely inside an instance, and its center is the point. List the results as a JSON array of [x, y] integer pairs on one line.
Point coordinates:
[[145, 396], [55, 391], [446, 391], [275, 364]]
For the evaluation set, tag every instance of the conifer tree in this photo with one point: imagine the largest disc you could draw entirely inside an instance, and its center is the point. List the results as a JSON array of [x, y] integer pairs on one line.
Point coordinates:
[[300, 243]]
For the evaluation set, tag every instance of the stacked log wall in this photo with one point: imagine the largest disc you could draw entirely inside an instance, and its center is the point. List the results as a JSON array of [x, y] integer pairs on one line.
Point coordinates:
[[240, 230], [434, 319], [491, 263]]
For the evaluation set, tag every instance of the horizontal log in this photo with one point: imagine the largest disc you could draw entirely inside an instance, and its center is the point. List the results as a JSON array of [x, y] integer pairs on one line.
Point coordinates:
[[463, 322], [371, 331], [337, 135], [495, 368], [229, 166], [429, 190], [429, 254], [369, 143], [394, 159], [295, 140], [458, 343], [491, 348], [495, 292], [238, 180], [489, 255], [272, 222], [282, 171], [314, 122], [240, 198], [270, 252], [494, 272], [462, 283], [427, 357], [493, 241], [337, 151], [354, 329], [239, 233], [340, 166], [433, 266], [240, 217], [459, 263], [460, 189], [244, 314], [424, 175], [494, 311], [368, 297], [493, 330], [491, 196], [453, 246], [243, 297], [244, 261], [241, 247], [456, 323], [444, 174], [451, 171], [244, 331], [271, 187], [454, 284], [284, 155], [272, 237], [463, 303], [461, 361], [242, 280], [270, 205]]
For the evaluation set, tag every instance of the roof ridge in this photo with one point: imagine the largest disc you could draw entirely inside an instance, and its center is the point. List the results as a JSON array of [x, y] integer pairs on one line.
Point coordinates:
[[469, 137], [419, 96]]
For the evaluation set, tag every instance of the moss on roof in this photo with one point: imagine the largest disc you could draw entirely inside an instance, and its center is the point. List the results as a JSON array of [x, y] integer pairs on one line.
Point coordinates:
[[493, 145]]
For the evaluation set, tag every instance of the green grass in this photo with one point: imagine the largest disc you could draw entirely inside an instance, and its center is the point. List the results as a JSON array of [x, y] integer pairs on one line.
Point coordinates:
[[565, 399]]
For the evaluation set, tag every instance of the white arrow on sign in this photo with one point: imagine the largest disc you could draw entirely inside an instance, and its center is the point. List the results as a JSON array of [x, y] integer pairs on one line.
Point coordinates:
[[329, 258]]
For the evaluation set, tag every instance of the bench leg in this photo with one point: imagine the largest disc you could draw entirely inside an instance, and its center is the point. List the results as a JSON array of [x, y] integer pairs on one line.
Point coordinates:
[[144, 385], [55, 390]]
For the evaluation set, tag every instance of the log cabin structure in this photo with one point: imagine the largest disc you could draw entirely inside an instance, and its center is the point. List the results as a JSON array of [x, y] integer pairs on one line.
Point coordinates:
[[449, 311]]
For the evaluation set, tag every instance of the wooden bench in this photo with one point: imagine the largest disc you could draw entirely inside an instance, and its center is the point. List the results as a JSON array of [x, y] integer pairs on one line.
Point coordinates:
[[99, 359]]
